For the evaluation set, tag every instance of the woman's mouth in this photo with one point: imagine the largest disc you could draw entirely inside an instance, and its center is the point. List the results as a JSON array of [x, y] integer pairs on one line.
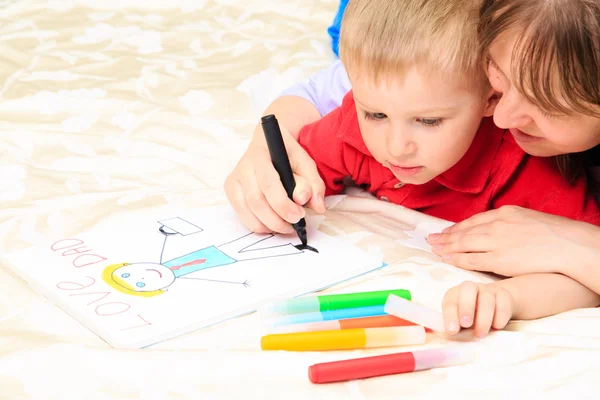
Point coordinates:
[[523, 137]]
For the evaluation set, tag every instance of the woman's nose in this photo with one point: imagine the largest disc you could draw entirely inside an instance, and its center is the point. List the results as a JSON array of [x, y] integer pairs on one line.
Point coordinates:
[[512, 111]]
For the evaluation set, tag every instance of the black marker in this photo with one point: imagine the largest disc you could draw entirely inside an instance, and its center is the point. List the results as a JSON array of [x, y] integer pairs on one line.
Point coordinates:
[[281, 162]]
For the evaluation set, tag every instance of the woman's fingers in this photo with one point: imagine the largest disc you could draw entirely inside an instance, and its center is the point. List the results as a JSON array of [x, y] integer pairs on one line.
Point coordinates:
[[475, 220], [458, 243]]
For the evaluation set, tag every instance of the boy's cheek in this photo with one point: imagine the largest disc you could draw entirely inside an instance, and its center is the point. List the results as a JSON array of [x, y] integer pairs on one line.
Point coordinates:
[[375, 144]]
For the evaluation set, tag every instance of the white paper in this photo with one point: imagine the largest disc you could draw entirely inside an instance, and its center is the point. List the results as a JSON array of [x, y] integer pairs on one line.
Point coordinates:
[[418, 236], [167, 272]]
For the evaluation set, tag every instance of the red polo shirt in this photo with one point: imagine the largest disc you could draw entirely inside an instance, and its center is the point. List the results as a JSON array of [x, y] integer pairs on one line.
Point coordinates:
[[494, 172]]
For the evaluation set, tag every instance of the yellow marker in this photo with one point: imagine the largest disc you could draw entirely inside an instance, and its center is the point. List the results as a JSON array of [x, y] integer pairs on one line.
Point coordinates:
[[347, 339]]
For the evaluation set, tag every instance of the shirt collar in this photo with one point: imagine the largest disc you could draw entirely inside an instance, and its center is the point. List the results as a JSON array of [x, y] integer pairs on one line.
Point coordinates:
[[471, 173], [349, 131]]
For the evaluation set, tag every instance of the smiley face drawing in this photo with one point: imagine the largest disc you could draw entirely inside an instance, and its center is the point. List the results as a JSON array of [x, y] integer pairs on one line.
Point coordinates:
[[148, 279]]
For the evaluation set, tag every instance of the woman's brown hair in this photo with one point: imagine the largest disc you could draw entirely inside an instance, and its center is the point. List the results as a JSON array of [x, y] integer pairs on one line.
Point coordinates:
[[556, 58]]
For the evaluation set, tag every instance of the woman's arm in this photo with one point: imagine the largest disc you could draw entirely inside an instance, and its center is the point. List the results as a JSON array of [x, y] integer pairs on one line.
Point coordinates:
[[513, 241], [585, 263]]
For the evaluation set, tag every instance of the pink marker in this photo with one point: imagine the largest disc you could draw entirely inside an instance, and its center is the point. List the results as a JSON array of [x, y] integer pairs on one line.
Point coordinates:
[[415, 313]]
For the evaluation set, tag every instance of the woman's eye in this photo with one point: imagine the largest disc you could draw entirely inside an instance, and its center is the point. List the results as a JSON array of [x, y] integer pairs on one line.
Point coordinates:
[[375, 116], [429, 121], [492, 63], [140, 284], [125, 275], [546, 113]]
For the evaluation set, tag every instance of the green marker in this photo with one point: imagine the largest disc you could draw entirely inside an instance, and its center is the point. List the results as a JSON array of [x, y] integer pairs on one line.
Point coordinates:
[[334, 302]]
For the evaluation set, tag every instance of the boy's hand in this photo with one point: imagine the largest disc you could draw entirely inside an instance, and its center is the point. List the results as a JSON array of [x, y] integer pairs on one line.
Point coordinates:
[[256, 193], [482, 306]]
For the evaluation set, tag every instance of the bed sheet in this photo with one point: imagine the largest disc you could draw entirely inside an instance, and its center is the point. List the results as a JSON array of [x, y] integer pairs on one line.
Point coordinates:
[[113, 105]]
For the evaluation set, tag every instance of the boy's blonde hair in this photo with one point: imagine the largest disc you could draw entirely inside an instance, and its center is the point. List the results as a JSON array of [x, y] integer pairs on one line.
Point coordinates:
[[384, 38]]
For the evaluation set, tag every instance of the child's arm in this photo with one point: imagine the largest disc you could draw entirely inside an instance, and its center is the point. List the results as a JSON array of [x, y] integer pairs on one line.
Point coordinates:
[[492, 305]]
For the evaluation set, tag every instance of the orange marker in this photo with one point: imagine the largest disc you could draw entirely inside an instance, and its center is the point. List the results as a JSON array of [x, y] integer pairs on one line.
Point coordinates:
[[350, 323], [346, 339]]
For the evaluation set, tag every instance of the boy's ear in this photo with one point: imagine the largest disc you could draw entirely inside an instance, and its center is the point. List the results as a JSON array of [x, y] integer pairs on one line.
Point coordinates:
[[492, 98]]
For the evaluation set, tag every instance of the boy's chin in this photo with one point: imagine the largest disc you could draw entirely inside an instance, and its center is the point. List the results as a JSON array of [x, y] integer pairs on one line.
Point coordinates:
[[419, 179]]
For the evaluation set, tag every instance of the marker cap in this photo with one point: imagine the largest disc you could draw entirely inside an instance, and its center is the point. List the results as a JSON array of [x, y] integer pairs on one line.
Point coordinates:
[[414, 312]]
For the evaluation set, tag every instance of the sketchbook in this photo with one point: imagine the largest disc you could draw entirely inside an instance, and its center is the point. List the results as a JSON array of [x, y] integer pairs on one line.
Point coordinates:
[[139, 278]]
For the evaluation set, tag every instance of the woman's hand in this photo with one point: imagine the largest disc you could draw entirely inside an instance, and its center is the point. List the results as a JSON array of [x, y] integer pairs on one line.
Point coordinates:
[[477, 305], [513, 241], [256, 193]]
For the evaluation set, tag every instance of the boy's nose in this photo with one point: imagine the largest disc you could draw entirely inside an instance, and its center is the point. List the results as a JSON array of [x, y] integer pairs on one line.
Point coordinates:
[[400, 145]]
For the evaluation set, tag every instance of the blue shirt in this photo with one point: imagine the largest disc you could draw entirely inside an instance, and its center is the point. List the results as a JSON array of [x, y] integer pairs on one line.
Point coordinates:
[[212, 257]]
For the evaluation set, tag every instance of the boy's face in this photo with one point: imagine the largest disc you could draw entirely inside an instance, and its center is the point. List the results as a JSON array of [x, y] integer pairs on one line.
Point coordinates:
[[419, 126]]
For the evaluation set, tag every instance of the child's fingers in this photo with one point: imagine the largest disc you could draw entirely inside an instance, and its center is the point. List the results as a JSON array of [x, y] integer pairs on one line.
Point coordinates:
[[263, 191], [504, 311], [303, 190], [238, 202], [317, 201], [450, 310], [467, 300], [310, 193], [304, 166], [486, 306]]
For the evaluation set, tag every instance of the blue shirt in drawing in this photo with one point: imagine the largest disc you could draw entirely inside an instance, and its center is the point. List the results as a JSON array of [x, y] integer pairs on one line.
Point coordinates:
[[208, 257]]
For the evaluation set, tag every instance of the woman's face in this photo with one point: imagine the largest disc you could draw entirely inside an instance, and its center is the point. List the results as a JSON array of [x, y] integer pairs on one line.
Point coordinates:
[[536, 132]]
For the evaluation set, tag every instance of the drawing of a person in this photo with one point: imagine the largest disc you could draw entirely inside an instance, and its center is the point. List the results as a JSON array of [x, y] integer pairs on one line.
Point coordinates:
[[147, 279]]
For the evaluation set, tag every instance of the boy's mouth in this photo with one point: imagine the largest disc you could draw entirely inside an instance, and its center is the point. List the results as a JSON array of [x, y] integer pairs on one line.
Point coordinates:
[[404, 170]]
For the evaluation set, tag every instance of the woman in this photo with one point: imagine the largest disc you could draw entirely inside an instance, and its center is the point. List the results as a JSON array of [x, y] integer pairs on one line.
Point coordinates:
[[544, 62]]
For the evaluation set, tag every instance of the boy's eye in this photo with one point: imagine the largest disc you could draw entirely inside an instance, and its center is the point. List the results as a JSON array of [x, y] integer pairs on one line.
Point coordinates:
[[375, 116], [429, 121]]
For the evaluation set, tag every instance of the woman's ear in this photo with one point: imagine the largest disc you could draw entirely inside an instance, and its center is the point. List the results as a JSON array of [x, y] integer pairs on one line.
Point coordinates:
[[491, 101]]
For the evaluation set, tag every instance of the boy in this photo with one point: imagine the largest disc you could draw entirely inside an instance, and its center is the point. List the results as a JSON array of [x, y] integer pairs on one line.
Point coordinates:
[[416, 131]]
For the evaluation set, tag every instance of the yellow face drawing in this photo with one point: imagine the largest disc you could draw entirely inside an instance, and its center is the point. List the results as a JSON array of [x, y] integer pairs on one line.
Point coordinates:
[[139, 279]]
